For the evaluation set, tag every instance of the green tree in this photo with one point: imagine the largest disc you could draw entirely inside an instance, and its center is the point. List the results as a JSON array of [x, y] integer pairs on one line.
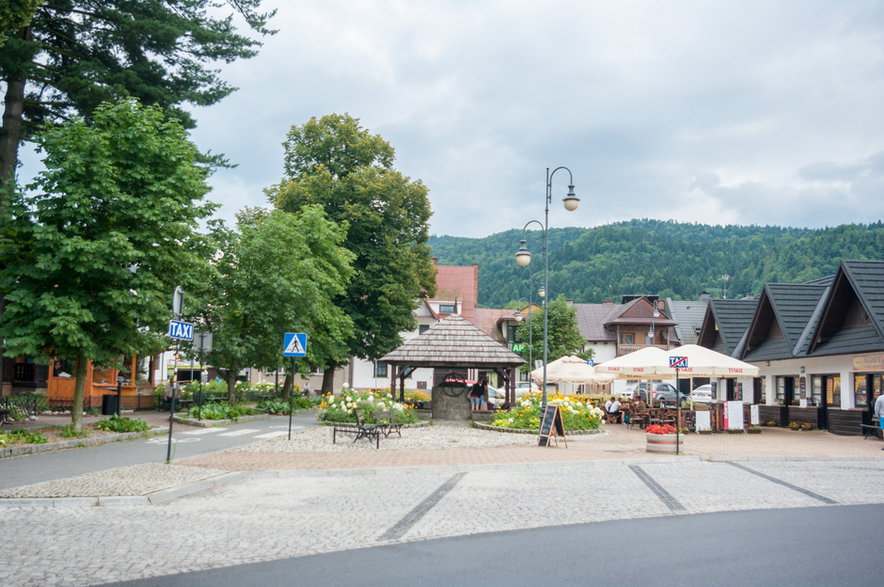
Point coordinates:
[[15, 16], [74, 54], [91, 259], [564, 337], [280, 273], [337, 164]]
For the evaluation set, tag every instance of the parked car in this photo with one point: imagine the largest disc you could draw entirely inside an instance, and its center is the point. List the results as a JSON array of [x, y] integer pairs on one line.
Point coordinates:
[[660, 393], [523, 387], [702, 394]]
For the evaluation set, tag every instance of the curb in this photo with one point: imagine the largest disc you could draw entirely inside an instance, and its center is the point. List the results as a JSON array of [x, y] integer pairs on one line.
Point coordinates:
[[484, 426], [154, 498], [16, 451]]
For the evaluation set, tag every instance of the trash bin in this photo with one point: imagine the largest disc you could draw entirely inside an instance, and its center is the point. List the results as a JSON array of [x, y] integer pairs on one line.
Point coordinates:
[[109, 404]]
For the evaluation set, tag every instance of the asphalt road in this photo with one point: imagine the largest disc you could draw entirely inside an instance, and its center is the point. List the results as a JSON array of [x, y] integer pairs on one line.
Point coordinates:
[[804, 546], [186, 442]]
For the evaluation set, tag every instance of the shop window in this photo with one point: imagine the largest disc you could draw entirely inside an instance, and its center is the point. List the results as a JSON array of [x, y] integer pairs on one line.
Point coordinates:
[[860, 391], [833, 391]]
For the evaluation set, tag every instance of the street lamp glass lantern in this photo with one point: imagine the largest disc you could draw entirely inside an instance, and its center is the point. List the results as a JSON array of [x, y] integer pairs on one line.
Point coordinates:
[[518, 316], [541, 292], [523, 255], [571, 200]]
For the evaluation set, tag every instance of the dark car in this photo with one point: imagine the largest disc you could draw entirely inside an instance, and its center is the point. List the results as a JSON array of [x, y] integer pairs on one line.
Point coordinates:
[[660, 393]]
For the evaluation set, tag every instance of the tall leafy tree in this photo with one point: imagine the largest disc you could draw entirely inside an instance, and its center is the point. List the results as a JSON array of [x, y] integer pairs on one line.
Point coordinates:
[[280, 273], [92, 257], [334, 162], [68, 56], [563, 335]]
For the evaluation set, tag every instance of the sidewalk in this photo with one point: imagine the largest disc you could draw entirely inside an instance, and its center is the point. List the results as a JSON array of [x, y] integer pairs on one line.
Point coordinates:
[[619, 444]]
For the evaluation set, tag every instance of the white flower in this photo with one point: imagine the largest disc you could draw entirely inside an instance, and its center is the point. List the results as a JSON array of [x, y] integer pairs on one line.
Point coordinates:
[[512, 420]]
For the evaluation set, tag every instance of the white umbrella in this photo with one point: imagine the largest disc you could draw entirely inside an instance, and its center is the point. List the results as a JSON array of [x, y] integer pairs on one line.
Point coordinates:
[[570, 369], [653, 361]]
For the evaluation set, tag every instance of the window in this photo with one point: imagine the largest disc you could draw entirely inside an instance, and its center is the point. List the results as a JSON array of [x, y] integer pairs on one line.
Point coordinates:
[[786, 390], [380, 369], [423, 328], [626, 339], [447, 308], [511, 333]]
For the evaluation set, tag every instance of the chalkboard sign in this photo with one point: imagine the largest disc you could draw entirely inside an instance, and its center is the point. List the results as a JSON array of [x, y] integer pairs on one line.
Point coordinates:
[[551, 425]]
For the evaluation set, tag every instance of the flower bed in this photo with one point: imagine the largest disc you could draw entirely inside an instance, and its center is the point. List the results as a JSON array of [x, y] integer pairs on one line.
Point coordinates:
[[577, 414], [340, 407]]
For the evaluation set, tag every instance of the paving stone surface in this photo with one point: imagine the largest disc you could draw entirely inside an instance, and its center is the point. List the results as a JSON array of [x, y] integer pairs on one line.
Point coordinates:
[[288, 504]]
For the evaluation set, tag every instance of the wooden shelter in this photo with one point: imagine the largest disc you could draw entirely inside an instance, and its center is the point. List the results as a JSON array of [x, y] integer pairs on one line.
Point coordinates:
[[453, 344]]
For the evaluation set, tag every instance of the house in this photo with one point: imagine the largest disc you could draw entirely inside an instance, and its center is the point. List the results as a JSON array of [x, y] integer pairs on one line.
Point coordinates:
[[819, 347]]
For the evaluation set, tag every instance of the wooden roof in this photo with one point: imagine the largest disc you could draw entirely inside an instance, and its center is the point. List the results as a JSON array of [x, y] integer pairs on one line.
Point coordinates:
[[453, 342]]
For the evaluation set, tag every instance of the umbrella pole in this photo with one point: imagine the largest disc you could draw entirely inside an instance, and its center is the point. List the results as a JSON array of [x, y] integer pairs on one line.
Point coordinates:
[[677, 413]]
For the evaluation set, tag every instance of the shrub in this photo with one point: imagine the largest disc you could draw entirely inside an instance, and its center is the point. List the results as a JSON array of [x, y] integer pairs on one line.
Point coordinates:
[[116, 424], [274, 406], [69, 432], [216, 411], [340, 408], [21, 436], [577, 413]]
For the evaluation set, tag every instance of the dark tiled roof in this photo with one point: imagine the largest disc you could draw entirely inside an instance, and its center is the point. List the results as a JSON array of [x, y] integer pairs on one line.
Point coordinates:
[[794, 305], [591, 319], [769, 350], [858, 288], [689, 315], [732, 317], [453, 341]]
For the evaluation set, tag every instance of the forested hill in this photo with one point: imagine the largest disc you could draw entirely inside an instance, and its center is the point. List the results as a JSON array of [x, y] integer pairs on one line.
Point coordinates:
[[657, 257]]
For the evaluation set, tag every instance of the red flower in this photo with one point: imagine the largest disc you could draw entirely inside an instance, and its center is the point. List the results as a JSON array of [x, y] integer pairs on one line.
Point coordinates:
[[658, 429]]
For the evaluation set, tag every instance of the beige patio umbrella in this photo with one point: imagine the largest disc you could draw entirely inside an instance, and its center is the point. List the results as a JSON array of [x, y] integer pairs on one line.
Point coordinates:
[[570, 369], [653, 362]]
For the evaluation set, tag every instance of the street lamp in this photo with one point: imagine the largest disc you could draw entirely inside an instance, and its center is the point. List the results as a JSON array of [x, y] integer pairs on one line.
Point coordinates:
[[519, 316], [523, 256]]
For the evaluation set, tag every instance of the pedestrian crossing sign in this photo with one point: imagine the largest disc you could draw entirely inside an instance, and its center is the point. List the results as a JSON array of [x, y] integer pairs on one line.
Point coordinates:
[[294, 344]]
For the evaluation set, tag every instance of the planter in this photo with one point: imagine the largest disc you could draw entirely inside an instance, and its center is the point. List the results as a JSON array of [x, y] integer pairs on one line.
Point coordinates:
[[753, 431], [664, 443]]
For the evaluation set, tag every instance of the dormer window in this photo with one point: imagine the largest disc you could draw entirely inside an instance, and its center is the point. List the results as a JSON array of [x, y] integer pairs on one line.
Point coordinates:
[[447, 308]]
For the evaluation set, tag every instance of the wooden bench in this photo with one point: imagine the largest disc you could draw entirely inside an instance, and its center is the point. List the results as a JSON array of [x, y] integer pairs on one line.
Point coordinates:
[[389, 426], [871, 430], [359, 429]]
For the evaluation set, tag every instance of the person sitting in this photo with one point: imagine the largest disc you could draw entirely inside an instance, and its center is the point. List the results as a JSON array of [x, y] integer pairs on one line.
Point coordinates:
[[612, 407]]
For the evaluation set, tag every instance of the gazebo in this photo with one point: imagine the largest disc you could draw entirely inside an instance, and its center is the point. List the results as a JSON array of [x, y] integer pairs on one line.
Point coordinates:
[[453, 343]]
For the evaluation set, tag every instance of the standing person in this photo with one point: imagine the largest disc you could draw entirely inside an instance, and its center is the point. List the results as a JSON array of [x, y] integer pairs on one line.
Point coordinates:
[[879, 411], [477, 393]]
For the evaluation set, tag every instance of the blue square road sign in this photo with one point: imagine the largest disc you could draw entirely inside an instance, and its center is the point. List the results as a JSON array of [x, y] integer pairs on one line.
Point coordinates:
[[294, 344]]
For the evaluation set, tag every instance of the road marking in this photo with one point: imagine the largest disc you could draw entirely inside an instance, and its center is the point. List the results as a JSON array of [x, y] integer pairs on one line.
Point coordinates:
[[165, 440], [203, 431], [274, 434], [414, 516], [673, 504], [241, 432], [806, 492]]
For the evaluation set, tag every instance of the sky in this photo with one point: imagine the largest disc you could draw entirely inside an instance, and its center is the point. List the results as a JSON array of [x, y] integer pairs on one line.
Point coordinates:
[[724, 112]]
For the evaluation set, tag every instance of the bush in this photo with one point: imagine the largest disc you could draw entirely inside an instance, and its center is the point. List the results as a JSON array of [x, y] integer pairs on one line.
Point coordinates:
[[340, 408], [116, 424], [577, 414], [272, 406], [216, 411], [21, 437], [69, 432]]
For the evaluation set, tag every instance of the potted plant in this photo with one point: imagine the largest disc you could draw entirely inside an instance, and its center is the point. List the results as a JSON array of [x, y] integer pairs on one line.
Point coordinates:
[[753, 430], [806, 426], [662, 438], [794, 426]]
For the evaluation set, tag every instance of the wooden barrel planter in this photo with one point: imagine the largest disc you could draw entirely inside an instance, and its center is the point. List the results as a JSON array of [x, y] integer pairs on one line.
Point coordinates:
[[664, 443]]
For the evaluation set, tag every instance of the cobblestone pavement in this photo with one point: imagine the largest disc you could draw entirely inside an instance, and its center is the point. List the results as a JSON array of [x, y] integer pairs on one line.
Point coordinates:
[[300, 503]]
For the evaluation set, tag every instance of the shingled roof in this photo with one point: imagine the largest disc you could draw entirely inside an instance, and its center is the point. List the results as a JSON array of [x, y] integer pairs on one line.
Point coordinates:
[[453, 341], [783, 313], [725, 324]]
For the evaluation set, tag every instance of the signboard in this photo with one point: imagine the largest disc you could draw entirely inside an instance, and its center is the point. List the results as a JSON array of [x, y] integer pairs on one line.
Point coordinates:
[[754, 415], [590, 362], [678, 362], [180, 330], [703, 420], [202, 342], [518, 347], [869, 362], [551, 425], [294, 344], [733, 415]]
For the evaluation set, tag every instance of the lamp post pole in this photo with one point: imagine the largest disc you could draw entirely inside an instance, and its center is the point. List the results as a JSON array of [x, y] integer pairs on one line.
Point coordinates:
[[523, 256]]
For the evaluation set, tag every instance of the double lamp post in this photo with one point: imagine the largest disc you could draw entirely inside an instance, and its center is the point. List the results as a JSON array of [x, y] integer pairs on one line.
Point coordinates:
[[523, 256]]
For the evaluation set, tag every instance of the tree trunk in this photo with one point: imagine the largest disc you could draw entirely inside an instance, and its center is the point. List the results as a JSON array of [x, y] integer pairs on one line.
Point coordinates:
[[79, 392], [11, 130], [231, 386], [287, 384], [328, 381]]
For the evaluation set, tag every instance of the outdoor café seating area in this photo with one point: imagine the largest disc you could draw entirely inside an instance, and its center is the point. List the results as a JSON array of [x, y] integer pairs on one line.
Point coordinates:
[[642, 417]]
